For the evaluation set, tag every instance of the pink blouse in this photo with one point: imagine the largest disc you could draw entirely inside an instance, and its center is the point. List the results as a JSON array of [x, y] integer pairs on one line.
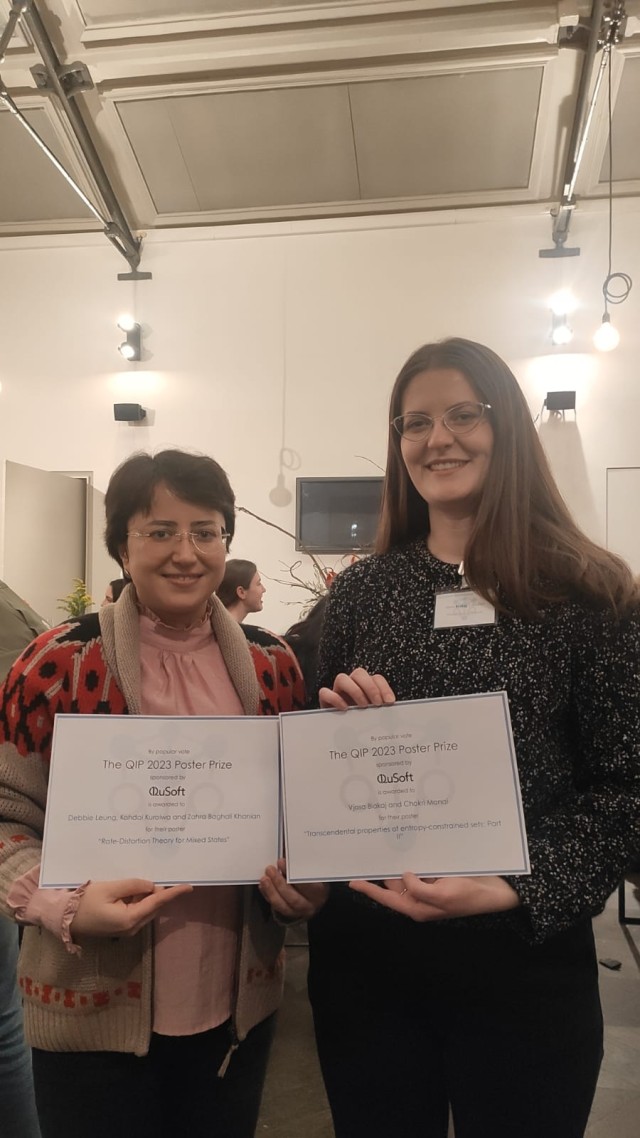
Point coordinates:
[[183, 673]]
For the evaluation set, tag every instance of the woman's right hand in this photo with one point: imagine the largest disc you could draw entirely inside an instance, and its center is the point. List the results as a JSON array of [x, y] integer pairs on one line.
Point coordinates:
[[121, 908], [358, 689]]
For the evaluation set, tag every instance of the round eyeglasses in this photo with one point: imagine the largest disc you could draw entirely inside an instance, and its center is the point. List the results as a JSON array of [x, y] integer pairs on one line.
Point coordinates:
[[206, 539], [460, 419]]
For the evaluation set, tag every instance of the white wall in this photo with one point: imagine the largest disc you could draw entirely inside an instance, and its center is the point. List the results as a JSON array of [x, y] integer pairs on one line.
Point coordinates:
[[334, 306]]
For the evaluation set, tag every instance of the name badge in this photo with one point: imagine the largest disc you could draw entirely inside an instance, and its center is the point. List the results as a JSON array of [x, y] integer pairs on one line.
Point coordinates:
[[460, 608]]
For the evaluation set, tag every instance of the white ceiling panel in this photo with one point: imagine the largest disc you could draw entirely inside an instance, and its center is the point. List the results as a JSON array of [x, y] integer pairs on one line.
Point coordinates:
[[30, 187], [205, 111], [245, 149], [446, 134], [625, 134]]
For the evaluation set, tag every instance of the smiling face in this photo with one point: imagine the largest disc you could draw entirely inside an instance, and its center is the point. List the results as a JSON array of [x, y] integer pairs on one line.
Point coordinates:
[[447, 470], [174, 580]]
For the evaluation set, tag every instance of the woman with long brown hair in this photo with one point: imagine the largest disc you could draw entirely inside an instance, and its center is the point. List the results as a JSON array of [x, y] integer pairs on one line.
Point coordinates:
[[479, 994]]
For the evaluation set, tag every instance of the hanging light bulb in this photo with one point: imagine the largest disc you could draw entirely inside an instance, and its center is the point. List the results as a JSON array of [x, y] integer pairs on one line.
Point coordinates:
[[606, 337]]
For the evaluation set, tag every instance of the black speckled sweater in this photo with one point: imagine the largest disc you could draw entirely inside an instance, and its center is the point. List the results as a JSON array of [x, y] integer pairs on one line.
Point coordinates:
[[573, 682]]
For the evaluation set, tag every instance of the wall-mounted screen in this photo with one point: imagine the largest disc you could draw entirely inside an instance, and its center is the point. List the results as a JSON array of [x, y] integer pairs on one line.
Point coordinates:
[[337, 515]]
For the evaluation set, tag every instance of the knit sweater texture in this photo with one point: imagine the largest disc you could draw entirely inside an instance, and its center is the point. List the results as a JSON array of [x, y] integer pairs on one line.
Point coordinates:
[[573, 685], [101, 999]]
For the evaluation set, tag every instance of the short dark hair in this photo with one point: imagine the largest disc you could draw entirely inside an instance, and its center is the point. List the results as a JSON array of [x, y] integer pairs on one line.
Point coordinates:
[[237, 574], [192, 478]]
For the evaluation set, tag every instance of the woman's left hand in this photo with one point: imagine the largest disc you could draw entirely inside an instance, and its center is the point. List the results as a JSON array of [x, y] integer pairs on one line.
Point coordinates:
[[295, 902], [436, 898]]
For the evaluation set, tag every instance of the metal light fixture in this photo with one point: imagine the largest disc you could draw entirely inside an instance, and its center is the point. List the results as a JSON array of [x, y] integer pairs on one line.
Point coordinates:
[[561, 333], [561, 304], [131, 347]]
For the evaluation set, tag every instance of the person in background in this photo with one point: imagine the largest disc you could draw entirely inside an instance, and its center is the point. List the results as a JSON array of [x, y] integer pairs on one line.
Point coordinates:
[[113, 590], [241, 591], [19, 623], [137, 996], [480, 994], [304, 640]]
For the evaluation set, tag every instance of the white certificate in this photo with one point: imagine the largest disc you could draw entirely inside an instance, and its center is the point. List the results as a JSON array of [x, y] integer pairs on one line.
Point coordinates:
[[167, 798], [429, 786]]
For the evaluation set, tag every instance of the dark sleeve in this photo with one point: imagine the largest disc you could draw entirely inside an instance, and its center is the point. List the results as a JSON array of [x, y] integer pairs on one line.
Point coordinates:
[[339, 630], [581, 850], [278, 671], [293, 696]]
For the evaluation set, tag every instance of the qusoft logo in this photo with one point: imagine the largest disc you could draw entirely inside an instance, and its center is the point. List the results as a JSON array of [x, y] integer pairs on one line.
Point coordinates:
[[395, 777]]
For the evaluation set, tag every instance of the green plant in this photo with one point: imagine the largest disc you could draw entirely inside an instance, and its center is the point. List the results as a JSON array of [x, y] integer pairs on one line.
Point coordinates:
[[77, 601]]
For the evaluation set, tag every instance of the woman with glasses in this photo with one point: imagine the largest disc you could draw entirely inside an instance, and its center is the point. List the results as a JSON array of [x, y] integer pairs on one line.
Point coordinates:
[[480, 994], [150, 1010]]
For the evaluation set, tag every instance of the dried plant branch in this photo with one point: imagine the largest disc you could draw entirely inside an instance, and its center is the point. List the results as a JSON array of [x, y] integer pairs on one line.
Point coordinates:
[[365, 458], [322, 570]]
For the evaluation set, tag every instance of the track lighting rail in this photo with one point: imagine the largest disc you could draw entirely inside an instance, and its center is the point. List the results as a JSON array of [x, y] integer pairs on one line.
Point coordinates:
[[65, 82]]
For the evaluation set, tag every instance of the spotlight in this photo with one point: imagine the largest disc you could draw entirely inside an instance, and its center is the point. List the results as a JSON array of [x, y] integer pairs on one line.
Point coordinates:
[[126, 322], [131, 348], [561, 333], [606, 337], [562, 302]]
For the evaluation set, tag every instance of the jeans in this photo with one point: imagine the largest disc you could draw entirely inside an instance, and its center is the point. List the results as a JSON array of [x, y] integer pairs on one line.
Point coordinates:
[[18, 1117], [173, 1090]]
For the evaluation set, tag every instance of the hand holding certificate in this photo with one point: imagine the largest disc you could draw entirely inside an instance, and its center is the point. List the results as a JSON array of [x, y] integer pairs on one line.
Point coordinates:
[[121, 908], [430, 786], [436, 899]]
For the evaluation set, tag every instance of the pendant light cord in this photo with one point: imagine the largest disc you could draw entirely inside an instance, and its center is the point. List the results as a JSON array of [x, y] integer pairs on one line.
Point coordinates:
[[623, 282]]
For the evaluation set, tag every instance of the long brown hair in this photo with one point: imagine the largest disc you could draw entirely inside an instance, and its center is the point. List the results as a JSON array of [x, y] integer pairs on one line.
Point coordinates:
[[525, 550]]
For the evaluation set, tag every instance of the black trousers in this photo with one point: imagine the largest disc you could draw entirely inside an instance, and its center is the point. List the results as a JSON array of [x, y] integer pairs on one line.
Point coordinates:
[[171, 1091], [410, 1021]]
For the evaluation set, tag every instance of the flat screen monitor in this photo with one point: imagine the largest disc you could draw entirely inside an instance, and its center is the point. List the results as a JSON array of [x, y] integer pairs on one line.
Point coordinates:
[[337, 515]]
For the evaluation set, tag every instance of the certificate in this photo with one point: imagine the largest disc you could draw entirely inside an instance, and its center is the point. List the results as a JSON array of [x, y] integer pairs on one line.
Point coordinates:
[[429, 786], [168, 798]]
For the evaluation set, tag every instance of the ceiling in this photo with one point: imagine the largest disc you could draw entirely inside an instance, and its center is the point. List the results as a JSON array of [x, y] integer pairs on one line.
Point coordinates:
[[216, 111]]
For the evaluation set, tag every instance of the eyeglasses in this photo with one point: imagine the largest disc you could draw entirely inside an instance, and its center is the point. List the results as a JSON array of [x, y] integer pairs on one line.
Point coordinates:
[[460, 419], [205, 540]]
